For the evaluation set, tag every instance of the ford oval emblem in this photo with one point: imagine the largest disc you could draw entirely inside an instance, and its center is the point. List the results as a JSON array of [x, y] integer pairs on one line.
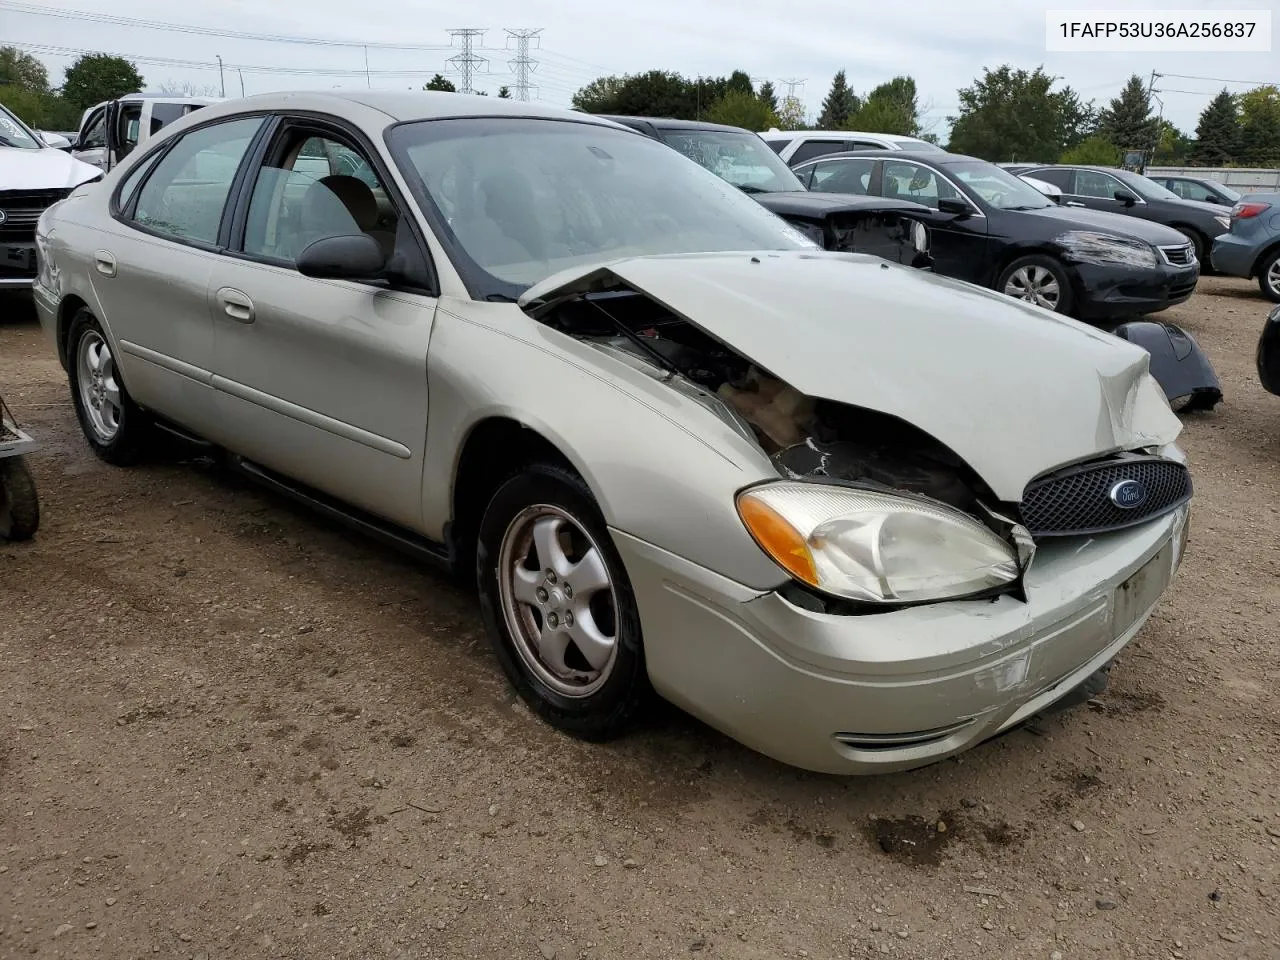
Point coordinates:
[[1128, 494]]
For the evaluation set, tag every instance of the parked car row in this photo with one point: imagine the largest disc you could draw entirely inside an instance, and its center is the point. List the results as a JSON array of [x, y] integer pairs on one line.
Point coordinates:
[[844, 510]]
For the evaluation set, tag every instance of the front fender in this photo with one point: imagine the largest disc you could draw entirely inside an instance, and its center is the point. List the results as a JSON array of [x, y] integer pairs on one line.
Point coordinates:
[[662, 468]]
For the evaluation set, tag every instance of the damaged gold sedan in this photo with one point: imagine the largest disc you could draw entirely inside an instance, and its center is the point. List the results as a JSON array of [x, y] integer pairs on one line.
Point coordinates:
[[856, 516]]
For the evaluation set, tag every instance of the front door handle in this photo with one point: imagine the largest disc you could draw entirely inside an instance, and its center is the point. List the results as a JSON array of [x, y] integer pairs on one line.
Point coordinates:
[[104, 263], [236, 305]]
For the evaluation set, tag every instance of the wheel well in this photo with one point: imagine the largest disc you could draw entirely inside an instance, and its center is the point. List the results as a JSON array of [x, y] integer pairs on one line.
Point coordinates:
[[1017, 254], [1262, 258], [1188, 228], [493, 451], [70, 306]]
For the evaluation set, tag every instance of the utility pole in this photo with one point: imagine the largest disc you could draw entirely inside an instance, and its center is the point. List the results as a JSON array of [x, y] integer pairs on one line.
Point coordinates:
[[221, 79], [1155, 132], [367, 79], [241, 72], [523, 64], [468, 59]]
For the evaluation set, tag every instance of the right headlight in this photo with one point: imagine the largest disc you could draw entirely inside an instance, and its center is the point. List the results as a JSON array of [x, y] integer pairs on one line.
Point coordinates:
[[1085, 246], [875, 547]]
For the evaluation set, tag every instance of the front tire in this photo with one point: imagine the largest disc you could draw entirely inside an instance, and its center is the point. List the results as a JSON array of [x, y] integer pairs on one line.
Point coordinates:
[[558, 606], [19, 504], [1269, 277], [116, 428], [1037, 279], [1199, 244]]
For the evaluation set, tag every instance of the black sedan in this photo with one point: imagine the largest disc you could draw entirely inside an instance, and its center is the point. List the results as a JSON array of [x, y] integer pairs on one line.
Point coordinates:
[[993, 229], [1129, 193], [1200, 188], [886, 228]]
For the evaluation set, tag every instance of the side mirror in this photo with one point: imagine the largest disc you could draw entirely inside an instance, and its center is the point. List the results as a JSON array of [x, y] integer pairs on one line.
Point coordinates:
[[953, 205], [354, 256], [1126, 197]]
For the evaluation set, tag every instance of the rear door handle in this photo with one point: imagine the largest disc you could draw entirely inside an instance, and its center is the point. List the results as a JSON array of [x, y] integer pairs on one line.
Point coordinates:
[[236, 305], [104, 263]]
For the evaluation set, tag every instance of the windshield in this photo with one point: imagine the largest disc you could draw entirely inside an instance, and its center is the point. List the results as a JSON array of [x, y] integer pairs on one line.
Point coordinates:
[[997, 187], [1145, 187], [517, 199], [743, 159], [905, 143], [14, 133], [1232, 195]]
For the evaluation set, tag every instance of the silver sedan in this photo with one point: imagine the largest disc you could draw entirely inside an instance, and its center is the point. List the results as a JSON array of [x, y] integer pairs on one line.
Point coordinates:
[[856, 516]]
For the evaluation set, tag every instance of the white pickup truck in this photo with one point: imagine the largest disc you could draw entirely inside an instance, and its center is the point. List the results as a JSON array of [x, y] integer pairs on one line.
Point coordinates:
[[110, 130]]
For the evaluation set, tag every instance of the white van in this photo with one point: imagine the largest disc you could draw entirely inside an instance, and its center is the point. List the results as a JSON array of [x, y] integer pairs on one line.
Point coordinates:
[[797, 146], [110, 130], [33, 177]]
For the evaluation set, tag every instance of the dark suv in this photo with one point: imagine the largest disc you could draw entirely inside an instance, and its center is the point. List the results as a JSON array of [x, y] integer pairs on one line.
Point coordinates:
[[1132, 194]]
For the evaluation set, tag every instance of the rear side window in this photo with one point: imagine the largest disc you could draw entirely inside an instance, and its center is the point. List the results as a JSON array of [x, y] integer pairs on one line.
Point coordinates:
[[1058, 177], [815, 148], [135, 177], [184, 196], [777, 146], [843, 176]]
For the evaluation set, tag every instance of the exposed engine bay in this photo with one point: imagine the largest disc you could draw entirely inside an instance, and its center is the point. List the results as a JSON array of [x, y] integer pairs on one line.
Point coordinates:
[[805, 437]]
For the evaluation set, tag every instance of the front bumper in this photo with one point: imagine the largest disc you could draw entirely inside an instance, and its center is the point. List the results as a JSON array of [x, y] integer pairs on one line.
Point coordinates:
[[17, 265], [1113, 292], [1234, 255], [892, 691]]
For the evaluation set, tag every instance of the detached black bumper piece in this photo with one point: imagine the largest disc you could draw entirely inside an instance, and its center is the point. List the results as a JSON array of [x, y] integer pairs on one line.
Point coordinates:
[[1269, 353], [1177, 362], [1117, 292]]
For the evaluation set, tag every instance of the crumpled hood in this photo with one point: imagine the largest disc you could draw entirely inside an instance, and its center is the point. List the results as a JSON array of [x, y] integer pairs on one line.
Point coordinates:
[[1013, 389], [44, 169]]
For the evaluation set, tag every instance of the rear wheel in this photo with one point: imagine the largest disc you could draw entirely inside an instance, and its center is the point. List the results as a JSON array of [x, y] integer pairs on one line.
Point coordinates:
[[558, 606], [1269, 276], [1037, 279], [116, 428], [19, 505]]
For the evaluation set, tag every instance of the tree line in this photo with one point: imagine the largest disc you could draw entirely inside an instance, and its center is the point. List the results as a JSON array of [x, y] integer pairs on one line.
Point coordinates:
[[1006, 114], [92, 78]]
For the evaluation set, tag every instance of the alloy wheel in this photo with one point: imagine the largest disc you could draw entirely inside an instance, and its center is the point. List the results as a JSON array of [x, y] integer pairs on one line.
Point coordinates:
[[99, 390], [1035, 284], [558, 600]]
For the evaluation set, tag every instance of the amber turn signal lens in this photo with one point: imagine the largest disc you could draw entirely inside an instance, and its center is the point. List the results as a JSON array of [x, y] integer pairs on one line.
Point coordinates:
[[778, 539]]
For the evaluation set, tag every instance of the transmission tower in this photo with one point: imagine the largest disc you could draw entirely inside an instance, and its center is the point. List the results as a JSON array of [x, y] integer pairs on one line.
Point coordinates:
[[523, 65], [791, 112], [468, 60], [792, 86]]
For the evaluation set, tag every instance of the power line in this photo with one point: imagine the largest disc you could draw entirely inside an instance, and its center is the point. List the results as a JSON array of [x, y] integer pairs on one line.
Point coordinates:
[[523, 64], [467, 61], [1251, 83]]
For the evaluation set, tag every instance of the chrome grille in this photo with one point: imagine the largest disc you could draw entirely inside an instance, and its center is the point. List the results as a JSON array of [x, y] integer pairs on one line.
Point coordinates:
[[1179, 255], [22, 208], [1079, 501]]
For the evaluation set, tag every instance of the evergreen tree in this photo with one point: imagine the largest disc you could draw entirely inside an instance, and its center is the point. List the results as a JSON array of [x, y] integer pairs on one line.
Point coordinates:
[[840, 103], [1260, 126], [441, 83], [1127, 121], [739, 80], [1218, 132], [768, 96]]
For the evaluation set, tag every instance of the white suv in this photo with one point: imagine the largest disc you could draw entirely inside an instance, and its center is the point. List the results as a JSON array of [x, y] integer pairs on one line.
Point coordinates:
[[797, 146]]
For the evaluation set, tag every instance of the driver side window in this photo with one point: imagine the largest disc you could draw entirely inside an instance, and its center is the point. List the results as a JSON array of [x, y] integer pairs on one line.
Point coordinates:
[[314, 186], [911, 181], [95, 131], [1094, 183]]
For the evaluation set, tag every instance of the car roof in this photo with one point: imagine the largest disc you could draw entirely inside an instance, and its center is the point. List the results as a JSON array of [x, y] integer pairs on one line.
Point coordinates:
[[670, 123], [400, 106], [793, 134], [940, 157]]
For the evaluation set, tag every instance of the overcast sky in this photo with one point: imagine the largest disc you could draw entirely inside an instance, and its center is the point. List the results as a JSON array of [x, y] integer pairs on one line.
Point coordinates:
[[944, 44]]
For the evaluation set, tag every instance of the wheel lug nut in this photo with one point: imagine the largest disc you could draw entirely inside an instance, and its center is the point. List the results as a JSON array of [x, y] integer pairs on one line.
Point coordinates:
[[568, 619], [551, 576], [542, 595], [553, 620], [568, 591]]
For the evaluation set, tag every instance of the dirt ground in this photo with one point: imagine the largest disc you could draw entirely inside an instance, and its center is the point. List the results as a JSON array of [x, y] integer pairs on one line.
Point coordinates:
[[230, 729]]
